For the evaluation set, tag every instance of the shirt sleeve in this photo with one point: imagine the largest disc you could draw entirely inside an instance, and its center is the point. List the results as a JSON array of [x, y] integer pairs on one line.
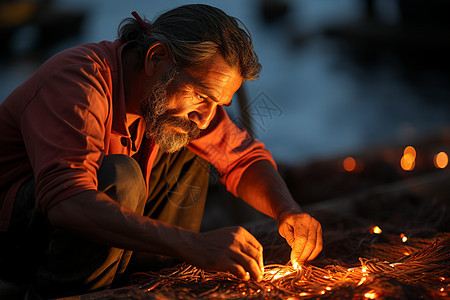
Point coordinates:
[[63, 127], [230, 149]]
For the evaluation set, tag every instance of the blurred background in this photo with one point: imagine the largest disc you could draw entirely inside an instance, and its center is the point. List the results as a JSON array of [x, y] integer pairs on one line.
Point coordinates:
[[339, 78], [343, 75]]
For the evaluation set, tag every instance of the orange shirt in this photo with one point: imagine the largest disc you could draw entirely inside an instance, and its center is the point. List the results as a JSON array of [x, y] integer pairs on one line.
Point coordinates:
[[60, 123]]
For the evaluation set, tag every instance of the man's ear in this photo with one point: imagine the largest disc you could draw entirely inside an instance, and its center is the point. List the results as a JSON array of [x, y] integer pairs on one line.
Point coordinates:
[[157, 57]]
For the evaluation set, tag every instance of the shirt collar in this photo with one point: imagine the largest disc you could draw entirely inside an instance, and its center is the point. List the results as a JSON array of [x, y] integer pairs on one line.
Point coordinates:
[[119, 125]]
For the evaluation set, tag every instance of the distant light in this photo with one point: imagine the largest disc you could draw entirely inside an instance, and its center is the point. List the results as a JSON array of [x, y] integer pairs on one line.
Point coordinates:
[[407, 162], [440, 160], [349, 164], [410, 151], [370, 295]]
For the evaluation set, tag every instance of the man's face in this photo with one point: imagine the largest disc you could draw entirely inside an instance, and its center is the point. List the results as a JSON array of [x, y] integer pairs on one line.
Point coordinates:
[[183, 102]]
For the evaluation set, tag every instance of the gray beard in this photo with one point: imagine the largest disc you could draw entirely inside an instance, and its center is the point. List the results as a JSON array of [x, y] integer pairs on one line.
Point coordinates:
[[160, 122]]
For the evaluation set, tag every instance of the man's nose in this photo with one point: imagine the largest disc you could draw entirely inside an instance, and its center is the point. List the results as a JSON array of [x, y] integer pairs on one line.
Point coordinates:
[[203, 114]]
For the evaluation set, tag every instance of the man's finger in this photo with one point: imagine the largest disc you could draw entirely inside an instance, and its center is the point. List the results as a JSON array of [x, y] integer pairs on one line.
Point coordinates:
[[253, 248], [319, 244], [237, 270], [255, 253], [250, 265], [308, 249], [297, 248], [287, 232]]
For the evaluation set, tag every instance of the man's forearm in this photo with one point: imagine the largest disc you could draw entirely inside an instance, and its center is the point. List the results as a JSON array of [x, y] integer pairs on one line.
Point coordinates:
[[95, 216], [262, 187]]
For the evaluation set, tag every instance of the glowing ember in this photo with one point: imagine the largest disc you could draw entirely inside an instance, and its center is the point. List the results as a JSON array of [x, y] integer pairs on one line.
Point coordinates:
[[442, 278], [376, 230], [303, 294], [440, 160], [403, 237], [394, 264], [370, 295], [349, 164], [362, 281]]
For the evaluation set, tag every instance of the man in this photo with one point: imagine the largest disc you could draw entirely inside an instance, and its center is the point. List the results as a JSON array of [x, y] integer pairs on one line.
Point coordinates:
[[104, 148]]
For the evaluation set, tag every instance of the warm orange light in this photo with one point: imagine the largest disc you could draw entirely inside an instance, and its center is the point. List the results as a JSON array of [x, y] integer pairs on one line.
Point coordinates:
[[370, 295], [410, 151], [376, 230], [407, 162], [403, 237], [349, 164], [363, 279], [303, 294], [440, 160]]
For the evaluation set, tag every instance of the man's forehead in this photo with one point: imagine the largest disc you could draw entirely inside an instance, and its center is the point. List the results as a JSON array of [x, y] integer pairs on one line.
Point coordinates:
[[216, 78]]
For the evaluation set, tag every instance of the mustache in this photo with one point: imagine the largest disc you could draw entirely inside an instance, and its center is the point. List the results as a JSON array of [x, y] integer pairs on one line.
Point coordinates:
[[186, 125]]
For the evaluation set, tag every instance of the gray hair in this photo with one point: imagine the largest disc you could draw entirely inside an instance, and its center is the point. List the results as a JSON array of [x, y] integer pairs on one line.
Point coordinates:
[[193, 34]]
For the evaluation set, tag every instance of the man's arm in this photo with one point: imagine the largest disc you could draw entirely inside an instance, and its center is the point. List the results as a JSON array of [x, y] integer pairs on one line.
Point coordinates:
[[95, 216], [262, 187]]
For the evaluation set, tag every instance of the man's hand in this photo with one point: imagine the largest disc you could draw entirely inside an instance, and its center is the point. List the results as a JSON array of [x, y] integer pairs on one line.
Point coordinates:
[[303, 233], [231, 249]]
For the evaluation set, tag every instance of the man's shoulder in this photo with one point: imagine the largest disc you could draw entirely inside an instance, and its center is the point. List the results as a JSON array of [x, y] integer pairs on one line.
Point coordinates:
[[103, 55]]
